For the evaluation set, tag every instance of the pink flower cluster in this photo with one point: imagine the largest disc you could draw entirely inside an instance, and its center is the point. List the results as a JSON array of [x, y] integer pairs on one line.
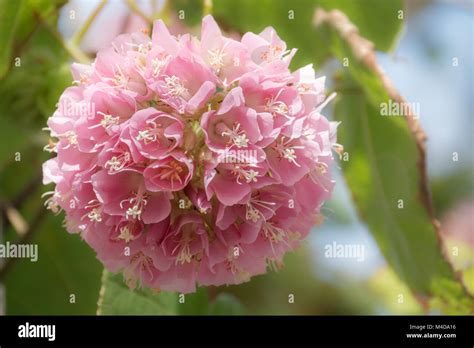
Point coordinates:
[[187, 162]]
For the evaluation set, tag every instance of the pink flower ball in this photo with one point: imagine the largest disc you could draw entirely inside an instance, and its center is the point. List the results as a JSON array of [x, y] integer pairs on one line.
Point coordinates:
[[186, 162]]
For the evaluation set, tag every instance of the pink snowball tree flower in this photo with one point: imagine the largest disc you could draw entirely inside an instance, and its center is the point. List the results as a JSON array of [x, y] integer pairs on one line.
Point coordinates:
[[186, 162]]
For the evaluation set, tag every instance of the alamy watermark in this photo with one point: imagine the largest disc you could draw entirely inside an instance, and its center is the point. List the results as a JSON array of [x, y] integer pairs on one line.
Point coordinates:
[[403, 109], [242, 156], [345, 251], [70, 107], [20, 251], [28, 330]]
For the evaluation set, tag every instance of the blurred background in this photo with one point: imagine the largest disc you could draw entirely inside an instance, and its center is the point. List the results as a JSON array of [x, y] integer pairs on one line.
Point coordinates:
[[421, 67]]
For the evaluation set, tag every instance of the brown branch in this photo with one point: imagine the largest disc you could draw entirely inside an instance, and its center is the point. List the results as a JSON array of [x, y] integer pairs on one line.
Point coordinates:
[[26, 233], [18, 200], [27, 191], [79, 35], [16, 220]]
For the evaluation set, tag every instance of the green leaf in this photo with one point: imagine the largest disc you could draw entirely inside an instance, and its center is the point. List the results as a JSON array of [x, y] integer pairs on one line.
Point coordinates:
[[9, 18], [66, 266], [377, 20], [117, 299], [385, 166], [226, 304]]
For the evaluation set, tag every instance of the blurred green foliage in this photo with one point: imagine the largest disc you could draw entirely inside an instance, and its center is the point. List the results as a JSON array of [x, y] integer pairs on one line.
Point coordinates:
[[269, 294], [18, 20], [451, 189], [28, 93], [8, 22]]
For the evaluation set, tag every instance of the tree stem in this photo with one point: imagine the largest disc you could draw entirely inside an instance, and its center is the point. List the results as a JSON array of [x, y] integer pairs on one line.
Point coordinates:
[[135, 8], [207, 9], [74, 51], [79, 35]]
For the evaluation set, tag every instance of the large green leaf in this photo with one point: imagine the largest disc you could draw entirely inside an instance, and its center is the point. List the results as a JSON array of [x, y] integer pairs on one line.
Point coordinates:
[[117, 299], [66, 266], [386, 175]]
